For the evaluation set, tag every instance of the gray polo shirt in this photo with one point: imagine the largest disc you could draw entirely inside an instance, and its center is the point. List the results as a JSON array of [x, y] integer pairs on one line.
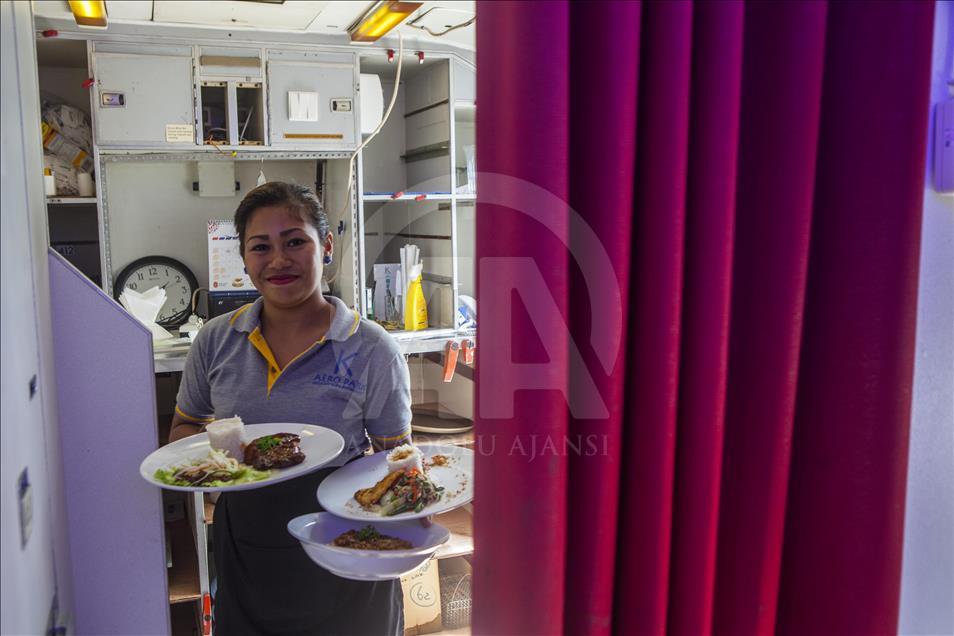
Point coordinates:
[[354, 380]]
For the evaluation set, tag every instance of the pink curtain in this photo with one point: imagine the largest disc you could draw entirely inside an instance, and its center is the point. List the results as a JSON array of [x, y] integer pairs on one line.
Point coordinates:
[[697, 240]]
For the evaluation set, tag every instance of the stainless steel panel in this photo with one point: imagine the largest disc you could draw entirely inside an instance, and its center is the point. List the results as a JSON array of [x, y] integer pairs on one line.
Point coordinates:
[[333, 130], [158, 92]]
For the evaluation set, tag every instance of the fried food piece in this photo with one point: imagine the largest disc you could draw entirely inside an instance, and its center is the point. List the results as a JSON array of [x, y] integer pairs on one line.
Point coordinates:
[[370, 496]]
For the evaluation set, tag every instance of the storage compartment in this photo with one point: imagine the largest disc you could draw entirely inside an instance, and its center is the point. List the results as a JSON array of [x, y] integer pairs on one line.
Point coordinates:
[[72, 220], [215, 113], [251, 116], [144, 99], [311, 100], [411, 154], [388, 227]]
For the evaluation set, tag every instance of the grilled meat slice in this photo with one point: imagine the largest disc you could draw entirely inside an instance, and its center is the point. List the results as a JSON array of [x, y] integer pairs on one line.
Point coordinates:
[[370, 539], [370, 496], [274, 451]]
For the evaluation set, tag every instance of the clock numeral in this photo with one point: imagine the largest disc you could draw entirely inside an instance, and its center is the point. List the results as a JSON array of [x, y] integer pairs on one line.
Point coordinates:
[[153, 271], [182, 302], [185, 290], [167, 271], [140, 275], [178, 278], [133, 286]]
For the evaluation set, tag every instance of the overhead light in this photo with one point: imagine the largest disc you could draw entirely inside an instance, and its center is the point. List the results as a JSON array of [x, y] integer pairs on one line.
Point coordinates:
[[91, 13], [381, 18]]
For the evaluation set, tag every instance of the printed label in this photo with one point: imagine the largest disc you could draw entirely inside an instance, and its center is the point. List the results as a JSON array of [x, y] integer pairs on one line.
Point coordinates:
[[180, 133]]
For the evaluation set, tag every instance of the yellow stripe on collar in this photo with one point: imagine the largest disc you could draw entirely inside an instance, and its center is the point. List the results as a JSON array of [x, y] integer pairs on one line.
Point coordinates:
[[357, 321], [274, 371], [258, 341], [239, 312]]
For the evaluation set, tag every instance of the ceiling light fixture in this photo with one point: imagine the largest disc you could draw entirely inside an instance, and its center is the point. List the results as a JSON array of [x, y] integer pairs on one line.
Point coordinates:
[[89, 13], [381, 18]]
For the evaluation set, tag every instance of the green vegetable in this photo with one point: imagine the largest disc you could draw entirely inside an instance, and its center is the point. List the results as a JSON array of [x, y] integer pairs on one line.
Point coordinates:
[[368, 533], [244, 475], [267, 442]]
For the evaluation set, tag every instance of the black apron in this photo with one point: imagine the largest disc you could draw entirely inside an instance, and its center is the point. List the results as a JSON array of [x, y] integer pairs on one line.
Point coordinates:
[[266, 584]]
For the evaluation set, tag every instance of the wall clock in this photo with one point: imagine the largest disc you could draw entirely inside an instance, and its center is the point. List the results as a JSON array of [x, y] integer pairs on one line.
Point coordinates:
[[167, 273]]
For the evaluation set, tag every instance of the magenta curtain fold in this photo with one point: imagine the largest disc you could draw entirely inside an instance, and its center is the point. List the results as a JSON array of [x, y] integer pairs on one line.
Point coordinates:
[[529, 497], [783, 46], [707, 287], [845, 508], [649, 434], [747, 177], [601, 165]]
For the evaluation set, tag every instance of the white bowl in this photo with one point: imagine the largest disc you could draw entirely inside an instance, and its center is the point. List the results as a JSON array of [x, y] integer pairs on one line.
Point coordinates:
[[317, 530]]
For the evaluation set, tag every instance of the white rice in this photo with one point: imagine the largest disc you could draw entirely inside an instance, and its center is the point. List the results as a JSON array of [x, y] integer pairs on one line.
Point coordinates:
[[405, 457], [228, 435]]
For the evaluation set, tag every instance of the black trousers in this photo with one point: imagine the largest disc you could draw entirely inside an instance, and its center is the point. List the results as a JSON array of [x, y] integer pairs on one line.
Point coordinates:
[[266, 584]]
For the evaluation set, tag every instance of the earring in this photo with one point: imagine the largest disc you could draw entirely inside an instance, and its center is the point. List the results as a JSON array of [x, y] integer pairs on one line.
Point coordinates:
[[327, 259]]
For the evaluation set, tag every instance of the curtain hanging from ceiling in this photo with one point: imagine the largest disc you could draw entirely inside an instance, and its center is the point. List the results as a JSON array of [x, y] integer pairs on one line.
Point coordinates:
[[697, 241]]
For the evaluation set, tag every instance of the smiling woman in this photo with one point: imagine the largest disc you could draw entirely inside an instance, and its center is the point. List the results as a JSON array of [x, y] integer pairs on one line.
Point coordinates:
[[292, 356]]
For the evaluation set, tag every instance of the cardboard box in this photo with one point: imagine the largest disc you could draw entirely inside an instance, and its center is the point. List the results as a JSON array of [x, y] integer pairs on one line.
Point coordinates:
[[422, 600]]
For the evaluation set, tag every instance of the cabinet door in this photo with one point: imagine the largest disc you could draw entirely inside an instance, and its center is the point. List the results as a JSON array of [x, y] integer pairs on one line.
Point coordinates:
[[329, 122], [148, 100]]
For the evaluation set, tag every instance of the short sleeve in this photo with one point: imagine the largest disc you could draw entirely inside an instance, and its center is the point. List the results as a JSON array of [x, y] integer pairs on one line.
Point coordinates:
[[387, 406], [194, 401]]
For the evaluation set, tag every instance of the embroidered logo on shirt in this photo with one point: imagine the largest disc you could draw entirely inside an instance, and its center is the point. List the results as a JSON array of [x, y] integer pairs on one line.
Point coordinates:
[[342, 378], [344, 362]]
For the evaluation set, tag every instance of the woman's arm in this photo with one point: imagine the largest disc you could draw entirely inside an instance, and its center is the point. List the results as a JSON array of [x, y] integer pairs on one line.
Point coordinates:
[[387, 408], [383, 446], [181, 427]]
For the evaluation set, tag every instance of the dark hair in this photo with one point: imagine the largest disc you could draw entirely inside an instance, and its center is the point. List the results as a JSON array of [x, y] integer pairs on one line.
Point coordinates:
[[298, 199]]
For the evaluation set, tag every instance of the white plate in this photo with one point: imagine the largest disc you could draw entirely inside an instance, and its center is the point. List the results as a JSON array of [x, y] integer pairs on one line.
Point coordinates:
[[336, 492], [320, 445], [316, 531]]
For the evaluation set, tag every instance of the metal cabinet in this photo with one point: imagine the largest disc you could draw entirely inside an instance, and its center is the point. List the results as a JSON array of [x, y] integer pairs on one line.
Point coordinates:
[[145, 98], [311, 100]]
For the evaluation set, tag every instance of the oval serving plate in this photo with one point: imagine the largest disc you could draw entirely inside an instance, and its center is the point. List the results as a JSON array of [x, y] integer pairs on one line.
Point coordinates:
[[319, 444]]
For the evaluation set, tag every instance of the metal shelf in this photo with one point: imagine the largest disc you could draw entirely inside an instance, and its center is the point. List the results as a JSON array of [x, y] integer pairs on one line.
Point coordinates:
[[71, 200], [409, 196]]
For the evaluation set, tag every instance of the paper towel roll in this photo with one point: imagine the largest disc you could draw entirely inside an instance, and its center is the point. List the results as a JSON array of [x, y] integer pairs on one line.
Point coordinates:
[[84, 182]]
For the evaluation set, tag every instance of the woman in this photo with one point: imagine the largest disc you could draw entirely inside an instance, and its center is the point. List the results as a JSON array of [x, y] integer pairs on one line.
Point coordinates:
[[292, 356]]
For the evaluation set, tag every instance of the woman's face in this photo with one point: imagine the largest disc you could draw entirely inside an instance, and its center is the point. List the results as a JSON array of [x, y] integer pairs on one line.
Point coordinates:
[[283, 256]]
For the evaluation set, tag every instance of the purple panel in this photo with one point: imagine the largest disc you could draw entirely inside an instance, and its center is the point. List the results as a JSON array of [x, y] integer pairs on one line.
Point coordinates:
[[107, 420]]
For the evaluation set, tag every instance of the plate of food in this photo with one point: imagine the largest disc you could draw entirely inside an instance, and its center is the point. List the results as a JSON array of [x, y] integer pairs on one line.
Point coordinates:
[[365, 551], [231, 455], [407, 482]]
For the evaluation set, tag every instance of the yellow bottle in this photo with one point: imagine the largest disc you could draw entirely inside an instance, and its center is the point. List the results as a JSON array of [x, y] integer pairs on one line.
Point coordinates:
[[415, 309]]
